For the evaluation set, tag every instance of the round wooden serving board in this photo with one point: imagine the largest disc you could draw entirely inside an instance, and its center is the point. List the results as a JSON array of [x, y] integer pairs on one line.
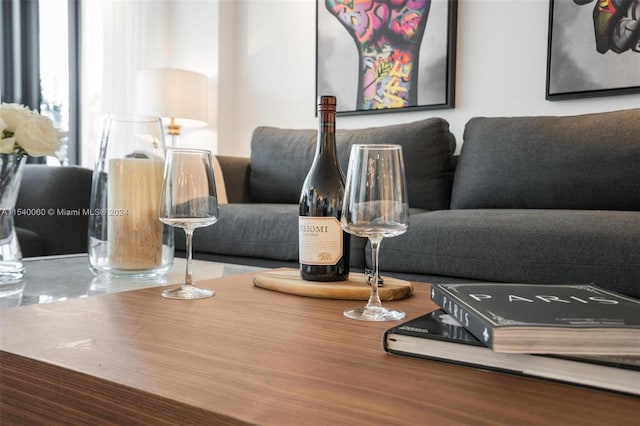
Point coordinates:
[[287, 280]]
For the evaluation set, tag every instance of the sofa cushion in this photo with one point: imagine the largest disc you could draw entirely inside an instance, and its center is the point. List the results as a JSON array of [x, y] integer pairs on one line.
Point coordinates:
[[281, 158], [267, 231], [574, 162], [535, 246]]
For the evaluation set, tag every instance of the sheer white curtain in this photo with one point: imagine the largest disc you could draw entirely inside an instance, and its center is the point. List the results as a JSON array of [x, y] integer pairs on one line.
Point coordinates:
[[118, 38]]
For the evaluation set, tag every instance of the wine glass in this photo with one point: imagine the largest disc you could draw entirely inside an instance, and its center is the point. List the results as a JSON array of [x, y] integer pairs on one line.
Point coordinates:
[[375, 206], [188, 200]]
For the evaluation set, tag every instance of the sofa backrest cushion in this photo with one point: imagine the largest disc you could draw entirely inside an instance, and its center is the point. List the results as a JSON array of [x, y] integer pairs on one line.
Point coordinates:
[[280, 160], [587, 162]]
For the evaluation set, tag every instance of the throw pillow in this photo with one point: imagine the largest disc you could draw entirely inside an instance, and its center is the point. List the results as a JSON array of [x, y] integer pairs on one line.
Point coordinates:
[[280, 160]]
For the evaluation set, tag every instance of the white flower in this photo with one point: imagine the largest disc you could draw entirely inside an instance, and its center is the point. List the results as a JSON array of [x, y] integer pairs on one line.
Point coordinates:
[[6, 143], [13, 114], [23, 130], [37, 136]]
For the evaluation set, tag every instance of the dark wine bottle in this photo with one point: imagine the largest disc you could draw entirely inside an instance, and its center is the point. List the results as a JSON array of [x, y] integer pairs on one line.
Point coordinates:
[[324, 246]]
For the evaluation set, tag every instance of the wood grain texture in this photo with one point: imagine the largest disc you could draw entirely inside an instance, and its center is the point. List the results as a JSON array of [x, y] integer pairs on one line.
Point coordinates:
[[254, 356], [287, 280]]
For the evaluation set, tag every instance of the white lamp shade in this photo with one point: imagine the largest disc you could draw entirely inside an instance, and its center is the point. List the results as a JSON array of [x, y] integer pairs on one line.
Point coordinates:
[[173, 93]]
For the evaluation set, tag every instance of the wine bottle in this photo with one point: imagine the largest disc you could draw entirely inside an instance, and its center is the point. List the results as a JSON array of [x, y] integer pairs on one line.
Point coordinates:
[[324, 246]]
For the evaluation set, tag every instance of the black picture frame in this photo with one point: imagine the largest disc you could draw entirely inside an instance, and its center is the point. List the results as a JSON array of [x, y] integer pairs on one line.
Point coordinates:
[[339, 60], [581, 62]]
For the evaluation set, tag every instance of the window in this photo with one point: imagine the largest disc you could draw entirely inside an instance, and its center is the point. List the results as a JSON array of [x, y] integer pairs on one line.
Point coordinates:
[[54, 67], [39, 66]]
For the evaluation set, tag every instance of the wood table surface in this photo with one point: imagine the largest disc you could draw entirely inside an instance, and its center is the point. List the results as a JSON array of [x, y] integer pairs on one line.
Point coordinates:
[[255, 356]]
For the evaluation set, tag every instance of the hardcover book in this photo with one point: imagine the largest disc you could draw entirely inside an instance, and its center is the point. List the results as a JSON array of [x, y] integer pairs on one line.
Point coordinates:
[[438, 336], [534, 318]]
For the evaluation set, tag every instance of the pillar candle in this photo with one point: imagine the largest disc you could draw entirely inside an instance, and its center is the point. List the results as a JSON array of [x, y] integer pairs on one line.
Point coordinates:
[[134, 231]]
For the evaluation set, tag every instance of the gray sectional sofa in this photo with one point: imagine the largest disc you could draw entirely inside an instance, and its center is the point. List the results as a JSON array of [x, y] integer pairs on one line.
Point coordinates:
[[529, 199]]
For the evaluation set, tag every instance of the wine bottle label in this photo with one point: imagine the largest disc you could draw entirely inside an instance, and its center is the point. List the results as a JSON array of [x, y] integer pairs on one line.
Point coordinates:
[[320, 240]]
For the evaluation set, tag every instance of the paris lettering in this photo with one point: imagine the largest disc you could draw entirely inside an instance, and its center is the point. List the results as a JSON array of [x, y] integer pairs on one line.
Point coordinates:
[[548, 299]]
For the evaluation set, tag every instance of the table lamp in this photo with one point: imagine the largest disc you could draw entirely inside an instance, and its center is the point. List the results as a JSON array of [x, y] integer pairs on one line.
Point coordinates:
[[176, 95]]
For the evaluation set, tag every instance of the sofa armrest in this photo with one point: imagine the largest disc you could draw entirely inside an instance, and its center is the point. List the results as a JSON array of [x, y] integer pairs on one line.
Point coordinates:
[[235, 171], [59, 198]]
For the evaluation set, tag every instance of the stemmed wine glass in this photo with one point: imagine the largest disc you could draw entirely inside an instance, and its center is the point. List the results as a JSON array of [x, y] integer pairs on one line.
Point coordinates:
[[188, 200], [375, 206]]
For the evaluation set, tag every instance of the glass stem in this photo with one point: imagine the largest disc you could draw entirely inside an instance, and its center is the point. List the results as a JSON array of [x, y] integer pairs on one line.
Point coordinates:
[[189, 237], [374, 298]]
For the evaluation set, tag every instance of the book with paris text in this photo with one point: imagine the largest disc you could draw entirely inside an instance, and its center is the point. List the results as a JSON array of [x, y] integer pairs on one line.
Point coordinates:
[[544, 318], [438, 336]]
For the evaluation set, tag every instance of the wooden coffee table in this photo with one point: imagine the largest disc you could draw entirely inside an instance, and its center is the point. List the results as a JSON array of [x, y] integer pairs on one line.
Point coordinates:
[[254, 356]]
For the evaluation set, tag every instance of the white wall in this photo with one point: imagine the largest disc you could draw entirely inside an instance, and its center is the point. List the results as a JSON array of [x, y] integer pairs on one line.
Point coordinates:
[[194, 45], [260, 58], [501, 69]]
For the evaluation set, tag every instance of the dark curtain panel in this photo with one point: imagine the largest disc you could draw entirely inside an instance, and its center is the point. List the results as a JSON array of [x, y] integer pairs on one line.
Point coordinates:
[[6, 70], [74, 146], [21, 55]]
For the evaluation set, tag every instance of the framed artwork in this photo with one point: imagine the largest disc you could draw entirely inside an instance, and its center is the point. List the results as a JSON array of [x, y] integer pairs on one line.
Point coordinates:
[[386, 56], [593, 48]]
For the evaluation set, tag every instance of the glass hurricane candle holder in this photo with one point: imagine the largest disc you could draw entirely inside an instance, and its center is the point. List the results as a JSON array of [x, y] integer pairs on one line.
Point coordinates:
[[125, 235]]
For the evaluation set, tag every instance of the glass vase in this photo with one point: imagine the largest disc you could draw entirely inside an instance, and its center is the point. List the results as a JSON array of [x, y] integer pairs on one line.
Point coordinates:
[[11, 169], [125, 235]]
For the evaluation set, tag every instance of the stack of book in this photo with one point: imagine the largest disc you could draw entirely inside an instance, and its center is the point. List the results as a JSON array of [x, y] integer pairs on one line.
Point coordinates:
[[579, 334]]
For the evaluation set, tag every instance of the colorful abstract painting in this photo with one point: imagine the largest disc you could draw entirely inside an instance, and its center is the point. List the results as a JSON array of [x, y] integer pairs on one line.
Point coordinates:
[[381, 56], [594, 48]]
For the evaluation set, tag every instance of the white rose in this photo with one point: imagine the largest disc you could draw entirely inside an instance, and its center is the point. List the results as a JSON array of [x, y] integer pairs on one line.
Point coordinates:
[[37, 136], [6, 144], [13, 114]]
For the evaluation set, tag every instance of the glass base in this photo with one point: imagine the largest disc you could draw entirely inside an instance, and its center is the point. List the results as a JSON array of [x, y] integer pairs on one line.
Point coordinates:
[[11, 290], [11, 271], [373, 313], [188, 292]]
